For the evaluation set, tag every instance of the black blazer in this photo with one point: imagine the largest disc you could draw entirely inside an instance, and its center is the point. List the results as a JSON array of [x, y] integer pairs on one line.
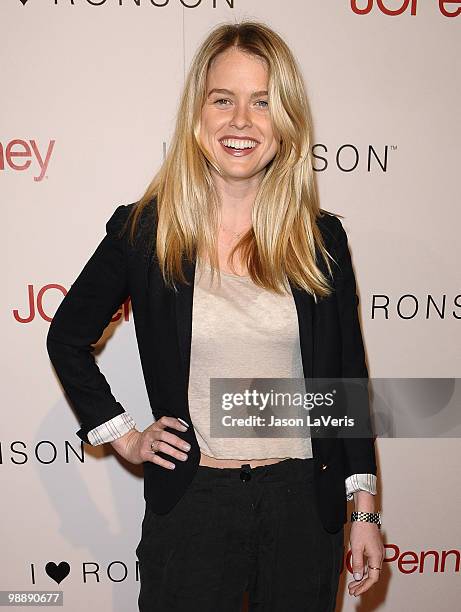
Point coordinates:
[[330, 338]]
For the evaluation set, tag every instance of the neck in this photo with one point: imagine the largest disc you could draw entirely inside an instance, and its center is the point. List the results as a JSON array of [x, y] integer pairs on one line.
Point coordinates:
[[237, 197]]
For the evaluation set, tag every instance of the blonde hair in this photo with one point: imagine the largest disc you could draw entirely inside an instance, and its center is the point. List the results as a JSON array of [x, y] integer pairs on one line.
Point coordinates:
[[284, 235]]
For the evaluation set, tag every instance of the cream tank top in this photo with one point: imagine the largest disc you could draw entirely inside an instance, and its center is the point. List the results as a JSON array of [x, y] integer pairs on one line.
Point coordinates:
[[240, 330]]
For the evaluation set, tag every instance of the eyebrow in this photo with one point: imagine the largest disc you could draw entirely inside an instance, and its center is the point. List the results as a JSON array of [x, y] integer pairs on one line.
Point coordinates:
[[255, 94]]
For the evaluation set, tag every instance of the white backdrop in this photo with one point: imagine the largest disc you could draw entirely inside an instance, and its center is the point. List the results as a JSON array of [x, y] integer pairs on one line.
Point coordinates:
[[89, 92]]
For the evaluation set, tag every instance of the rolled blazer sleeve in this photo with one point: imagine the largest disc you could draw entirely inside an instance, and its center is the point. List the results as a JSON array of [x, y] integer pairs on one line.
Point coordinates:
[[359, 452], [82, 316]]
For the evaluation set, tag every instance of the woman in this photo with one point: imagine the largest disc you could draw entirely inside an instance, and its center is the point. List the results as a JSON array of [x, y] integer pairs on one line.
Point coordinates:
[[235, 198]]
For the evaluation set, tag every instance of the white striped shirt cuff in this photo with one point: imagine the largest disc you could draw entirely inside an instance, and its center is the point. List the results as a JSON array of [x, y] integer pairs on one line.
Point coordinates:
[[360, 482], [111, 430]]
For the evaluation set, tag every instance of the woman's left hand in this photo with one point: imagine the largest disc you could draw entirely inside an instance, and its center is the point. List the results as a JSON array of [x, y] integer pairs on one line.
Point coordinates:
[[366, 541]]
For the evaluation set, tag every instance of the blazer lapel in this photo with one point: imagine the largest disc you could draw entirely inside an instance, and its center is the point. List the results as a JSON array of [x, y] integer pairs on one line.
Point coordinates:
[[184, 300], [304, 303], [305, 308]]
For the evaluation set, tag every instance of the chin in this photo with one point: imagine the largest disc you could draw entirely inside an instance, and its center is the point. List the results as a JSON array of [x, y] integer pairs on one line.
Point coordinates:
[[239, 175]]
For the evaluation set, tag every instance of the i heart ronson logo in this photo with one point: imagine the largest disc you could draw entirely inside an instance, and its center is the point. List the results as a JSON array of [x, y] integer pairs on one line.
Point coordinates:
[[57, 572]]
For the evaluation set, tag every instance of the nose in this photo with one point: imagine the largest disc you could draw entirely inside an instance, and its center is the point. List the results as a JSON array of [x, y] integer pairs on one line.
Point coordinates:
[[241, 117]]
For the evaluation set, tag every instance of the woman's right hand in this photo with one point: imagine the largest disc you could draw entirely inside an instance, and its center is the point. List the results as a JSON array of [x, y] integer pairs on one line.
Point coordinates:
[[135, 446]]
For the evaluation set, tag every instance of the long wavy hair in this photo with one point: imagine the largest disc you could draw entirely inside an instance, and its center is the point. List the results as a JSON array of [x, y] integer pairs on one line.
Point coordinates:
[[282, 242]]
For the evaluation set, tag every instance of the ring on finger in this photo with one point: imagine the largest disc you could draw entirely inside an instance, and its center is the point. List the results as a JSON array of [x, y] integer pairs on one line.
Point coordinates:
[[152, 447]]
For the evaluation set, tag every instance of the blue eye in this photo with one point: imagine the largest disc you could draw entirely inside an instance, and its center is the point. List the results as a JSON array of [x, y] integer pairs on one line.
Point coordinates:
[[227, 100]]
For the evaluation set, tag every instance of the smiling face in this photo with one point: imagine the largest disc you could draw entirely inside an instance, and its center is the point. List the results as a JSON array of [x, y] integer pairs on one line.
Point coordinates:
[[236, 126]]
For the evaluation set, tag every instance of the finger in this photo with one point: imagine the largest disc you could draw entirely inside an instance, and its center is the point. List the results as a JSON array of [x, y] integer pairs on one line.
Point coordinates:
[[352, 586], [164, 421], [164, 447], [162, 462], [371, 577], [173, 440], [372, 571], [357, 564], [176, 423], [357, 588]]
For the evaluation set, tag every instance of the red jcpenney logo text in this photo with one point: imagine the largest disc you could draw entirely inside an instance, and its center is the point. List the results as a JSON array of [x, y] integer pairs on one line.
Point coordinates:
[[448, 8], [35, 305], [21, 154], [419, 561]]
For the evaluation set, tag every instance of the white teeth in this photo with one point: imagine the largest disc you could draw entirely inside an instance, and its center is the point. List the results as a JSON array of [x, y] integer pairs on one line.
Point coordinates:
[[239, 144]]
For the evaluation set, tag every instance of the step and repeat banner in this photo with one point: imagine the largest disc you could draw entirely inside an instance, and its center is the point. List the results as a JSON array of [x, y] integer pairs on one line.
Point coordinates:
[[89, 94]]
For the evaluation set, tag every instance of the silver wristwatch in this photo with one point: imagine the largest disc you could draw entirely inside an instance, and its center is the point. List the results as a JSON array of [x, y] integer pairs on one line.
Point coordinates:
[[369, 517]]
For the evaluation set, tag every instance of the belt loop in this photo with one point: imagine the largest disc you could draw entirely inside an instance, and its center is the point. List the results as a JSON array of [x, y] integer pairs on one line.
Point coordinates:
[[245, 472]]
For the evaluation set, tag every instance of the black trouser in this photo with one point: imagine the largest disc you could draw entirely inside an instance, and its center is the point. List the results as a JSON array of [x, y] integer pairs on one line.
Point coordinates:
[[236, 530]]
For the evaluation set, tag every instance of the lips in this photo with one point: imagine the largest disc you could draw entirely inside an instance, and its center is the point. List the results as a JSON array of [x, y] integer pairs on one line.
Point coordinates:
[[238, 152]]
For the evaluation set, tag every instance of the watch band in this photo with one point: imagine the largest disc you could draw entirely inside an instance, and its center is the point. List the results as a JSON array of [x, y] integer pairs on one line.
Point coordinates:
[[368, 517]]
